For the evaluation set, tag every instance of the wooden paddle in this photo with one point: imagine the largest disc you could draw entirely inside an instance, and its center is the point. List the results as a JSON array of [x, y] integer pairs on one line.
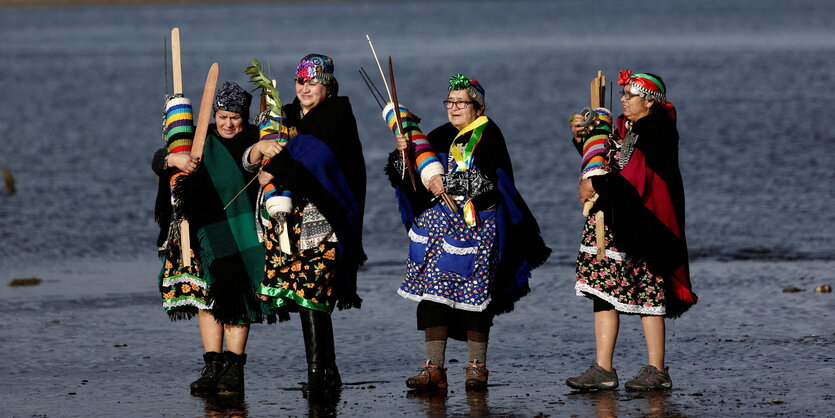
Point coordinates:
[[197, 147]]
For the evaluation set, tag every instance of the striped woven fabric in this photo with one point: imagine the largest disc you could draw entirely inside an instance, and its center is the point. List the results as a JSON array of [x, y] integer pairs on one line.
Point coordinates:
[[594, 144], [275, 201], [178, 131], [426, 160]]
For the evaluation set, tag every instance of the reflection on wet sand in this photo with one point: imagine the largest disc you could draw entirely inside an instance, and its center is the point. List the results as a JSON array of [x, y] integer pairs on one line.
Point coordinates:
[[612, 403], [323, 405], [227, 406], [434, 404]]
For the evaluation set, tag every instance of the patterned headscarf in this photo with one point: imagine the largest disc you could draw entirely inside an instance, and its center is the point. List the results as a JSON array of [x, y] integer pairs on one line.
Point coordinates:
[[474, 90], [648, 86], [232, 98], [316, 67]]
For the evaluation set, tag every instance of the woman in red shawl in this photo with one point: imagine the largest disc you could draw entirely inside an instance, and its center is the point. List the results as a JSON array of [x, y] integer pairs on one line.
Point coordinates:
[[645, 268]]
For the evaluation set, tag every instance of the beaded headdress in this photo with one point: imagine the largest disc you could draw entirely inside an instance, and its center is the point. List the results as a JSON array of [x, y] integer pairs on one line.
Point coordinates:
[[232, 98], [648, 86], [317, 68]]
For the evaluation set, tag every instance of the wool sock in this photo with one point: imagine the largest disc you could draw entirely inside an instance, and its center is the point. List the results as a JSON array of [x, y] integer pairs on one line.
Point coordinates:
[[436, 352], [477, 351]]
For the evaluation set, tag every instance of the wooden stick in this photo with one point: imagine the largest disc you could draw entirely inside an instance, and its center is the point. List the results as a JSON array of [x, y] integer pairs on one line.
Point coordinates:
[[379, 67], [367, 84], [368, 77], [176, 66], [185, 243], [197, 150], [205, 116], [407, 163], [598, 97], [600, 235], [9, 180]]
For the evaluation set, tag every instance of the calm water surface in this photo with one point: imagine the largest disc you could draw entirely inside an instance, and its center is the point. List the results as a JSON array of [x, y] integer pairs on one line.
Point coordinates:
[[752, 80]]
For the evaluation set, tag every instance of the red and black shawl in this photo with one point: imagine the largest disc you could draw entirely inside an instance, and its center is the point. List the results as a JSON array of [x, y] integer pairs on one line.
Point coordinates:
[[644, 206]]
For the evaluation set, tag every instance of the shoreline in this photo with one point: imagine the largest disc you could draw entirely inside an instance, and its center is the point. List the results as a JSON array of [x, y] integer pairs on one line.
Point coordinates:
[[44, 4]]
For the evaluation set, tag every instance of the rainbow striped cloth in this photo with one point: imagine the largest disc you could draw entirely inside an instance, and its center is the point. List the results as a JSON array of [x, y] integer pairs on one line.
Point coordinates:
[[428, 164]]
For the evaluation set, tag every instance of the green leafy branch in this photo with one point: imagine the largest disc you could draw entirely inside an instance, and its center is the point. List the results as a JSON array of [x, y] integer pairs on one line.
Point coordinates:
[[257, 77]]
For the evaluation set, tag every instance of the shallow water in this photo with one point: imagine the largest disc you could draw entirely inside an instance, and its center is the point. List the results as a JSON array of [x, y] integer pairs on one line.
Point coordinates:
[[752, 81]]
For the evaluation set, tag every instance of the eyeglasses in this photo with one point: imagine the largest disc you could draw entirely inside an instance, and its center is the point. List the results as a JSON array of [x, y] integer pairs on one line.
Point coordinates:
[[301, 80], [628, 94], [460, 105]]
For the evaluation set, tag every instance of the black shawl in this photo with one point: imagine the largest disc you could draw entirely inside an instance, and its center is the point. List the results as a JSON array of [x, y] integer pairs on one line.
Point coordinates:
[[324, 164]]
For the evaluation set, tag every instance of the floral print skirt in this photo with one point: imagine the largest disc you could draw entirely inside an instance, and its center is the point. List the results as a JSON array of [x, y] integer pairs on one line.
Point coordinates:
[[628, 285], [184, 289], [300, 279], [450, 262]]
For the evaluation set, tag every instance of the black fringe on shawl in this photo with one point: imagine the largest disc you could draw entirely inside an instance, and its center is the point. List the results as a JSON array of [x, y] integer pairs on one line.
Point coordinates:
[[184, 313]]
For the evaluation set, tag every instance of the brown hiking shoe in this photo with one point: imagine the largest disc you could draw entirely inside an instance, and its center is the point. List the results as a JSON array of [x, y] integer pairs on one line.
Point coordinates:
[[594, 378], [650, 378], [429, 377], [476, 376]]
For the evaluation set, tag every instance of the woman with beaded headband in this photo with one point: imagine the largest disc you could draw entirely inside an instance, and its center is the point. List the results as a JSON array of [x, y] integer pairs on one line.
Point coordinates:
[[470, 262], [645, 268], [323, 168], [219, 286]]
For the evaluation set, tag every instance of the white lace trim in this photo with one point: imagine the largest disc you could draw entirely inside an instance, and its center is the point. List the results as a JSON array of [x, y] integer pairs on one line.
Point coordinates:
[[445, 301], [451, 249], [415, 237], [183, 278], [186, 301], [614, 255], [583, 288], [248, 166]]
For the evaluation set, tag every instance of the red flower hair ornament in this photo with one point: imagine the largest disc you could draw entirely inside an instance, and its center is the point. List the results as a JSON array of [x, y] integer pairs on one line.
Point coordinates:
[[624, 76]]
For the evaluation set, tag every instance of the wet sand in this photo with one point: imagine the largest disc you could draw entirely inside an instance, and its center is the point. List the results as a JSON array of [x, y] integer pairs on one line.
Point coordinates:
[[91, 339]]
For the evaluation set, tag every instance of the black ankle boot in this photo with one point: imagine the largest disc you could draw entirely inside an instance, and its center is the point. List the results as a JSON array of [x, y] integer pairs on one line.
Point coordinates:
[[332, 377], [232, 377], [207, 382], [318, 348]]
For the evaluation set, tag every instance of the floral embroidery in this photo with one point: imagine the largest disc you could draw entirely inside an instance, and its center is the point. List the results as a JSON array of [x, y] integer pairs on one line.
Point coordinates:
[[302, 277]]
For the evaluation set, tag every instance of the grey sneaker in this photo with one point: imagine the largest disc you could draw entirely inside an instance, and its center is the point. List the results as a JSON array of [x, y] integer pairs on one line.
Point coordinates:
[[595, 378], [650, 378]]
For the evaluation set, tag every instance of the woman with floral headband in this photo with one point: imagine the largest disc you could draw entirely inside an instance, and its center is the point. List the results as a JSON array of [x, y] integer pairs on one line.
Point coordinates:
[[645, 268], [219, 286], [469, 262], [322, 168]]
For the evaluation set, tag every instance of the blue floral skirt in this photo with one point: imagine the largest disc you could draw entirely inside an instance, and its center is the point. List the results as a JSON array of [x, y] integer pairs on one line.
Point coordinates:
[[450, 262]]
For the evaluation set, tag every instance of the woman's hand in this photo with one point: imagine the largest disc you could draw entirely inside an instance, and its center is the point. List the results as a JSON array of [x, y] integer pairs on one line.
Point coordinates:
[[586, 189], [264, 178], [184, 162], [402, 143], [267, 148], [577, 126], [436, 185]]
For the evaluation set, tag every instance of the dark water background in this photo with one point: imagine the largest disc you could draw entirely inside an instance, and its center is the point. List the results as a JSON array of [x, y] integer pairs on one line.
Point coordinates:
[[752, 80], [81, 103]]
